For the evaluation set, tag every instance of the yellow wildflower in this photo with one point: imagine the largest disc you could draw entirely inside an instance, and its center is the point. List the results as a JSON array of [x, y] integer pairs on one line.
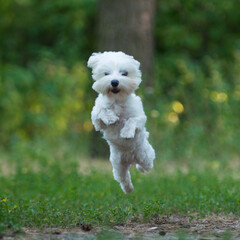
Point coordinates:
[[173, 117], [177, 107], [3, 200]]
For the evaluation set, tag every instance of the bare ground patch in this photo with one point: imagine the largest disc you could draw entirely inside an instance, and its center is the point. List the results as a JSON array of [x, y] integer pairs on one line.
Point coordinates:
[[193, 225], [160, 227]]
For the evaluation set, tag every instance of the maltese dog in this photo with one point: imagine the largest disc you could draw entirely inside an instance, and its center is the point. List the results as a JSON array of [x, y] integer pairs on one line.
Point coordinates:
[[118, 113]]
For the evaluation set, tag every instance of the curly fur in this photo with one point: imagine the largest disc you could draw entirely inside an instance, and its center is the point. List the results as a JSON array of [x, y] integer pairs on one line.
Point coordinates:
[[118, 113]]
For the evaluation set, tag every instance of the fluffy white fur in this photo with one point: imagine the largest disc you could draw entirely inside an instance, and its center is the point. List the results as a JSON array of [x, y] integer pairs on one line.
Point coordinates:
[[118, 113]]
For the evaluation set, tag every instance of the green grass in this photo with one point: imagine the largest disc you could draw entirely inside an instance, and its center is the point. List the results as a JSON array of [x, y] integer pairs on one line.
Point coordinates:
[[57, 194]]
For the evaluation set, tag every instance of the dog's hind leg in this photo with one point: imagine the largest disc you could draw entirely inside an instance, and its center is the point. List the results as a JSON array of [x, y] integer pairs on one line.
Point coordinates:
[[121, 171], [145, 157], [122, 175]]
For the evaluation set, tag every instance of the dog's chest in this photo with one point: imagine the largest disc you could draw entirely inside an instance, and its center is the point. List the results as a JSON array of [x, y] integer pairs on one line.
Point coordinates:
[[113, 130], [122, 112]]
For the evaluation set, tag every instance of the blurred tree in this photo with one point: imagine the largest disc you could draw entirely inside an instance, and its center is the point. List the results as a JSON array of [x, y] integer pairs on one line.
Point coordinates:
[[127, 26]]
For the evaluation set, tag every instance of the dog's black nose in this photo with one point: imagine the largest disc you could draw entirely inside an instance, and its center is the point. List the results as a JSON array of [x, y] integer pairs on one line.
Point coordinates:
[[114, 83]]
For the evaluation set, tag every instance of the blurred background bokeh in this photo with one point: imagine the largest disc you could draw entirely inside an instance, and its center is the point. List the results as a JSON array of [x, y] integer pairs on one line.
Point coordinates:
[[190, 55]]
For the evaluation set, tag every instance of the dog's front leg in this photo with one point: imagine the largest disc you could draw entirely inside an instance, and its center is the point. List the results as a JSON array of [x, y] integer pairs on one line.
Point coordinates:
[[97, 122], [103, 117], [108, 116], [130, 126]]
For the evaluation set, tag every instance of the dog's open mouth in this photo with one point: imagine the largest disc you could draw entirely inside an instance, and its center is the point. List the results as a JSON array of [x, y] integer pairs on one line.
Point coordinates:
[[115, 90]]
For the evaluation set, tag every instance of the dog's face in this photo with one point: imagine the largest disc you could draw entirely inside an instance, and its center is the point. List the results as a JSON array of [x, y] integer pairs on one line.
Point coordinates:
[[115, 74]]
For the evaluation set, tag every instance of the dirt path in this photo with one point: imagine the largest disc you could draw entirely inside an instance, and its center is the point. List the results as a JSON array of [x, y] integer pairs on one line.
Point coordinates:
[[173, 227], [204, 228]]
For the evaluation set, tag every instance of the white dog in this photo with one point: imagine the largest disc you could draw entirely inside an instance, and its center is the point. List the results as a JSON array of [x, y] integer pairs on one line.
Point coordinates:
[[118, 113]]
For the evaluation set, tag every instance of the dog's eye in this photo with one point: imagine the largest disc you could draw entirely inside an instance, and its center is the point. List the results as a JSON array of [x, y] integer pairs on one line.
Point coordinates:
[[124, 73], [106, 73]]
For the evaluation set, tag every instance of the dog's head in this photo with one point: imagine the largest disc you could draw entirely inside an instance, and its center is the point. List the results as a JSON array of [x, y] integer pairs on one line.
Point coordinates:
[[115, 74]]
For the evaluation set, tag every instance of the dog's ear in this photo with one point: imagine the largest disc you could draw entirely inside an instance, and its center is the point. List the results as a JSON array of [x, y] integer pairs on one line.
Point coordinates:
[[137, 63], [93, 60]]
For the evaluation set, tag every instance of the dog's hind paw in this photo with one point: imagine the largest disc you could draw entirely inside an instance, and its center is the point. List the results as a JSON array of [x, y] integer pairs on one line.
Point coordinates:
[[140, 168], [127, 188]]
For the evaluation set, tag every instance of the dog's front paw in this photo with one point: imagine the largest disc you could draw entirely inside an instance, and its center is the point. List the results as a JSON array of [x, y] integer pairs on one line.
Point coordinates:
[[112, 119], [127, 132], [109, 119], [99, 124]]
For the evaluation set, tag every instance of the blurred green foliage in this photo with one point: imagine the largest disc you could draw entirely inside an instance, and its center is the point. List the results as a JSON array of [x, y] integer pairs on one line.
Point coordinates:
[[43, 74], [198, 65], [45, 87]]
